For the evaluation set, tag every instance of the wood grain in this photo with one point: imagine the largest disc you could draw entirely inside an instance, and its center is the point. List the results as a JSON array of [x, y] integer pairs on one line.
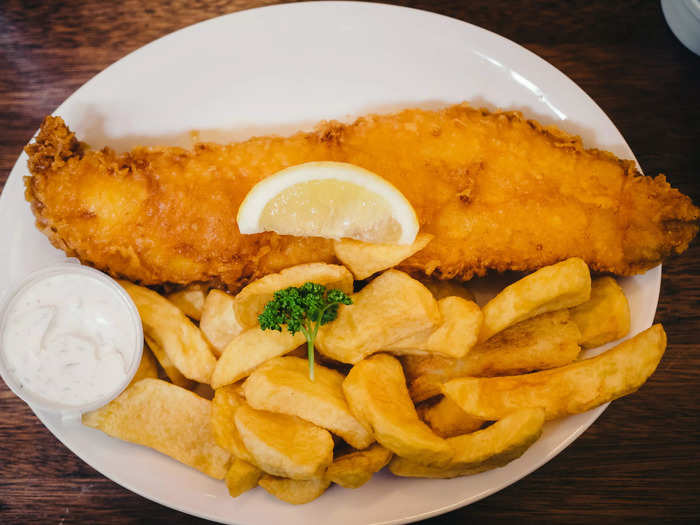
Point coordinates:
[[638, 462]]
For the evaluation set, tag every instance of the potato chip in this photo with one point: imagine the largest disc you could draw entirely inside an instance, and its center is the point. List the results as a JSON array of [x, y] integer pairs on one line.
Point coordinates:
[[283, 445], [554, 287], [148, 367], [365, 259], [376, 392], [282, 385], [165, 417], [223, 408], [571, 389], [167, 326], [356, 468], [390, 308], [167, 365], [294, 491], [250, 349], [605, 316], [219, 323], [441, 288], [241, 477], [190, 300], [456, 334], [483, 450], [446, 419], [251, 300], [546, 341]]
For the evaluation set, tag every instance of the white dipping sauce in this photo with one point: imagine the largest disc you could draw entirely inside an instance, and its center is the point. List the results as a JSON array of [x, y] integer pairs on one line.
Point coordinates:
[[69, 339]]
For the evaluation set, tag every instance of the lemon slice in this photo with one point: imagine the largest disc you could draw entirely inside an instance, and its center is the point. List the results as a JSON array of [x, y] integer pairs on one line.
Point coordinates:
[[332, 200]]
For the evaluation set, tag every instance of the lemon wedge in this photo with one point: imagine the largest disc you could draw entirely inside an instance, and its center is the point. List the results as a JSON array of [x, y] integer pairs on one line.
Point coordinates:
[[329, 199]]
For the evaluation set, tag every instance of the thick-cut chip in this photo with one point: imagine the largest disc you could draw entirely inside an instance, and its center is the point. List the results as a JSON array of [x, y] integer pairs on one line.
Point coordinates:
[[190, 300], [219, 323], [546, 341], [167, 365], [486, 449], [365, 259], [294, 491], [283, 445], [445, 288], [390, 308], [167, 326], [250, 349], [165, 417], [447, 420], [605, 316], [241, 477], [223, 409], [251, 300], [554, 287], [571, 389], [356, 468], [376, 392], [148, 367], [454, 337], [282, 385]]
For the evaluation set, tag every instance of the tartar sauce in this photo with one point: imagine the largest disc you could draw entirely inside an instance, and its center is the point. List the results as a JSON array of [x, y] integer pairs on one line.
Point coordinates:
[[68, 338]]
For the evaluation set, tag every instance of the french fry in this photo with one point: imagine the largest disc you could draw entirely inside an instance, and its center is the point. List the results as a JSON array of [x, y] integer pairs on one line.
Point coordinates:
[[167, 365], [571, 389], [356, 468], [283, 445], [483, 450], [393, 306], [167, 326], [190, 300], [456, 334], [364, 259], [148, 367], [250, 349], [546, 341], [447, 420], [294, 491], [223, 409], [605, 316], [165, 417], [554, 287], [441, 288], [282, 385], [376, 392], [218, 322], [251, 300], [241, 477]]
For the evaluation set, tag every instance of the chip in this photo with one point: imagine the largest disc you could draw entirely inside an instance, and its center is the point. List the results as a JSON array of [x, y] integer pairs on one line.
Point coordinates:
[[219, 323], [282, 385], [376, 392], [167, 365], [241, 477], [447, 420], [251, 300], [356, 468], [294, 491], [546, 341], [148, 367], [605, 316], [190, 300], [390, 308], [554, 287], [483, 450], [226, 401], [365, 259], [456, 334], [167, 326], [570, 389], [165, 417], [283, 445]]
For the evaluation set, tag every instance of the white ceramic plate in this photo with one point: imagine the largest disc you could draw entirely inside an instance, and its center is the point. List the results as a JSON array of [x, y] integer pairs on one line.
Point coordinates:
[[275, 70]]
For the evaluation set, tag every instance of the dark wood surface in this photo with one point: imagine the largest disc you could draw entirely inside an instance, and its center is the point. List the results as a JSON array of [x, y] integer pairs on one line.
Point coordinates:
[[638, 462]]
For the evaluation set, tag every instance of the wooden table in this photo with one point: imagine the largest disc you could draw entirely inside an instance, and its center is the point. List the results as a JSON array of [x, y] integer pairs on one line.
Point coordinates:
[[639, 461]]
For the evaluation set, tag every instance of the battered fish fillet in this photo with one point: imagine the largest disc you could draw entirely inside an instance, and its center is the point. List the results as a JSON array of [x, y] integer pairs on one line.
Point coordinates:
[[497, 191]]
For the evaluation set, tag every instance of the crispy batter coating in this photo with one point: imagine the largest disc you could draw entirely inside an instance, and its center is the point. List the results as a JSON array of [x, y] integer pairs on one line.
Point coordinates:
[[497, 192]]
